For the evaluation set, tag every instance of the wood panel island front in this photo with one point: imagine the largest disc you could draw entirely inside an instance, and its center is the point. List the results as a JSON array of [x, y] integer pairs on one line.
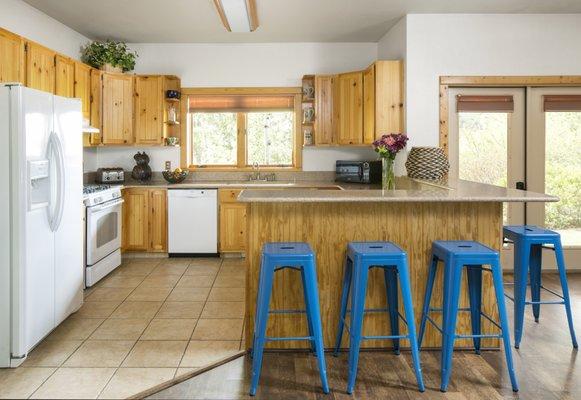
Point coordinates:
[[412, 216]]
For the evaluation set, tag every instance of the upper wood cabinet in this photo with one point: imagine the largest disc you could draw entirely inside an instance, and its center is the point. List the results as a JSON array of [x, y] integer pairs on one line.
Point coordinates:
[[117, 110], [82, 87], [40, 67], [149, 101], [348, 107], [96, 97], [11, 57], [383, 100], [324, 121], [65, 76]]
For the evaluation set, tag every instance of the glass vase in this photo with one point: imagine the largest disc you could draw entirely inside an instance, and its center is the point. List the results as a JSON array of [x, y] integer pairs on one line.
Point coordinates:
[[387, 173]]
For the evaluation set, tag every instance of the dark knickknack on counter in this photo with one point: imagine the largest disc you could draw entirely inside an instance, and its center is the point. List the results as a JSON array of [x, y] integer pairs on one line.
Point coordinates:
[[428, 163], [142, 171]]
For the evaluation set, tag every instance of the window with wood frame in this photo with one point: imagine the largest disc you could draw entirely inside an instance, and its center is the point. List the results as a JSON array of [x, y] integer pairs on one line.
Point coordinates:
[[241, 130]]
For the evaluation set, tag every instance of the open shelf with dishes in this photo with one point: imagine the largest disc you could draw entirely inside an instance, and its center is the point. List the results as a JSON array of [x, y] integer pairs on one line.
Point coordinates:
[[308, 109]]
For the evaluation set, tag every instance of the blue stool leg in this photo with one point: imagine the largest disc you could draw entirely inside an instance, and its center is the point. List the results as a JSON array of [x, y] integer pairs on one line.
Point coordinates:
[[521, 266], [411, 323], [262, 306], [427, 297], [360, 274], [390, 277], [344, 302], [258, 294], [451, 298], [499, 291], [314, 310], [565, 288], [535, 277], [307, 307], [475, 291]]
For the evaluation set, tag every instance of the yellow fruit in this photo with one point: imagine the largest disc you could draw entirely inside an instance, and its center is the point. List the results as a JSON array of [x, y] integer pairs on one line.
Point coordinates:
[[178, 170]]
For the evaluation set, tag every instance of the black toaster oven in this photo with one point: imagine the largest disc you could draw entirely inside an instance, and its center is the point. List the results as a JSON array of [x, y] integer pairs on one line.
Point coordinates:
[[358, 171]]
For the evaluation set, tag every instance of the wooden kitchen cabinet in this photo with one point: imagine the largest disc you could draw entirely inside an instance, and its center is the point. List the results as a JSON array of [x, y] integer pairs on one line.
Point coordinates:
[[11, 57], [232, 221], [158, 220], [383, 89], [82, 87], [145, 220], [348, 108], [324, 121], [149, 109], [65, 76], [96, 105], [40, 67], [117, 109]]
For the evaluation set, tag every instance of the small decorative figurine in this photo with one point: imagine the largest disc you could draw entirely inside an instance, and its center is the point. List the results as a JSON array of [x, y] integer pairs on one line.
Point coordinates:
[[142, 171]]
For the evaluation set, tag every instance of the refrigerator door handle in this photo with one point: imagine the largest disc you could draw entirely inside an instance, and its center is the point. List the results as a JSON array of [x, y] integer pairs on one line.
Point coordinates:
[[55, 145]]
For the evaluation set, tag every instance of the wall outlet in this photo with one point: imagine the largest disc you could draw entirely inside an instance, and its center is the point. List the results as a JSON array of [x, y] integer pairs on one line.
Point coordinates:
[[168, 165]]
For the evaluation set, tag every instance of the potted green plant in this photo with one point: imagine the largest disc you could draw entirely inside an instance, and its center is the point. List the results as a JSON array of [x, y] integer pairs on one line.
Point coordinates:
[[109, 56]]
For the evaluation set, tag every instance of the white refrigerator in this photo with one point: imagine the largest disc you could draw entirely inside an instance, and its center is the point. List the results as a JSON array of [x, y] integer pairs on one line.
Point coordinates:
[[41, 231]]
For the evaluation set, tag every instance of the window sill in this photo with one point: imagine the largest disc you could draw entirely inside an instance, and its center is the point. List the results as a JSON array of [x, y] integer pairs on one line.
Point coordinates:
[[194, 168]]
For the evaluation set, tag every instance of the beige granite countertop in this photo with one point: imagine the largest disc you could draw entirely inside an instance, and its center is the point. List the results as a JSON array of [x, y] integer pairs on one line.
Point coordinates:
[[240, 184], [407, 190]]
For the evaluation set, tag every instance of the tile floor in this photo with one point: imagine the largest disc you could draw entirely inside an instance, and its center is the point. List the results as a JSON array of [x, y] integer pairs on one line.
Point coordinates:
[[147, 322]]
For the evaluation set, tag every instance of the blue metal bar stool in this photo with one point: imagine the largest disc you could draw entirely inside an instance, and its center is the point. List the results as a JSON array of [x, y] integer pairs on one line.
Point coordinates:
[[360, 258], [456, 256], [300, 257], [529, 240]]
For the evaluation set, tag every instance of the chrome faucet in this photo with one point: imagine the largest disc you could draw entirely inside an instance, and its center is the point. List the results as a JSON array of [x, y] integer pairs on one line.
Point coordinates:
[[257, 176]]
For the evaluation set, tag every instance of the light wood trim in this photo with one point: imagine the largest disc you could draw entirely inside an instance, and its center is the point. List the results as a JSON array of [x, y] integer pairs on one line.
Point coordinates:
[[222, 15], [492, 81], [185, 140], [328, 227], [298, 134], [241, 154], [370, 114], [242, 90], [252, 14]]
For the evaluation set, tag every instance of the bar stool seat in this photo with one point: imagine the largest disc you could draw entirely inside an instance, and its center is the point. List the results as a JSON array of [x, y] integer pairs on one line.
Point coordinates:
[[275, 257], [529, 241], [360, 258], [456, 256]]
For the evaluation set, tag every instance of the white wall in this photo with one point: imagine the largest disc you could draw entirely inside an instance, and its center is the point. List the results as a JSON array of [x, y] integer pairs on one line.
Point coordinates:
[[246, 65], [393, 44], [483, 44], [25, 20]]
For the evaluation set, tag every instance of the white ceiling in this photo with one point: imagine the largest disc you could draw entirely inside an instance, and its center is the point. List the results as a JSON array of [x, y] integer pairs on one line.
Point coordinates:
[[196, 21]]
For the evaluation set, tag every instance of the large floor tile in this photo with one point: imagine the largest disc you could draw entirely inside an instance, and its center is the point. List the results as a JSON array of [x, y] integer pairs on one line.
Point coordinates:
[[160, 281], [155, 353], [170, 269], [21, 382], [203, 353], [224, 309], [193, 281], [137, 309], [96, 309], [169, 329], [74, 383], [109, 294], [136, 269], [189, 294], [218, 329], [51, 353], [180, 309], [128, 382], [149, 294], [177, 261], [121, 281], [120, 329], [230, 281], [208, 262], [227, 294], [75, 329], [202, 270], [100, 353]]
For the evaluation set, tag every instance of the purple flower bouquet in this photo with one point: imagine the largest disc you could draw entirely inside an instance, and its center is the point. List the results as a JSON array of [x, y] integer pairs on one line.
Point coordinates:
[[387, 147]]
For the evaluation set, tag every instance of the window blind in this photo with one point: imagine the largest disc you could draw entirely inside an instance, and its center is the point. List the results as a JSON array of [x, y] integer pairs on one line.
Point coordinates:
[[226, 103], [562, 102], [484, 103]]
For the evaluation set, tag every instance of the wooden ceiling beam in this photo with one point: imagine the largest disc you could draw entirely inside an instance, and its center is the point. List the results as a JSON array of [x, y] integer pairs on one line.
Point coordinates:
[[250, 8]]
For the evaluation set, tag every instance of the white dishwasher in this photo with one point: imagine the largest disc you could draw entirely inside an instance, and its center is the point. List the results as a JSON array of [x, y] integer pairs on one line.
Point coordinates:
[[192, 221]]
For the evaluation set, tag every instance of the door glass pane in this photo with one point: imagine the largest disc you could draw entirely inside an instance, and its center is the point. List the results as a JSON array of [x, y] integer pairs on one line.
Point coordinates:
[[269, 138], [107, 228], [483, 148], [563, 174], [214, 138]]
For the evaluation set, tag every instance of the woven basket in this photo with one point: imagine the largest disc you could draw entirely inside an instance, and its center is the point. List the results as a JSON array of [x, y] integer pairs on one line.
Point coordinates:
[[429, 163]]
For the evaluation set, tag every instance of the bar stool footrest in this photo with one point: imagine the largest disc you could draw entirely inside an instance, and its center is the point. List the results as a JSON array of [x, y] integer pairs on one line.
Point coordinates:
[[281, 339]]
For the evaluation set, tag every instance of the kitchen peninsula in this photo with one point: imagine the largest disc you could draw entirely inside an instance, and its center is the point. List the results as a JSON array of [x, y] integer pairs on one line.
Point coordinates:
[[412, 216]]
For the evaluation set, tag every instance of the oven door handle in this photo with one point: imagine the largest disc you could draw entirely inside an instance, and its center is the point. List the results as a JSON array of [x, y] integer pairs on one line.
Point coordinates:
[[106, 206]]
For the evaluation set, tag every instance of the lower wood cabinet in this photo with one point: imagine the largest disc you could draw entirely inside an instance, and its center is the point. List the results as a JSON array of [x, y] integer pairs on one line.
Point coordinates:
[[145, 220], [232, 221]]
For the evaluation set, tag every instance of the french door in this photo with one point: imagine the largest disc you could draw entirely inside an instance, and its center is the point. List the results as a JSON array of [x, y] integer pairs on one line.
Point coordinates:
[[523, 138]]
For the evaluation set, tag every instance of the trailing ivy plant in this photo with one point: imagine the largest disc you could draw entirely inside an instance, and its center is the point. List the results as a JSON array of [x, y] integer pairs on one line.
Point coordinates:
[[97, 54]]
